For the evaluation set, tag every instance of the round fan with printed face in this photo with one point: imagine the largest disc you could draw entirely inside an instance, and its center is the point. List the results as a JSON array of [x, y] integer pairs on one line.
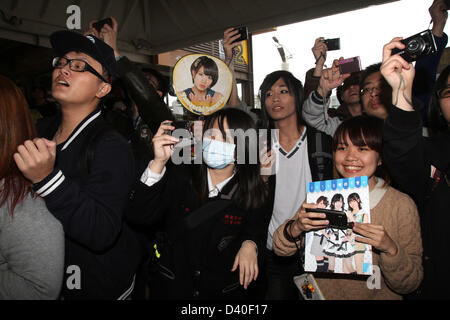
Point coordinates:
[[202, 83]]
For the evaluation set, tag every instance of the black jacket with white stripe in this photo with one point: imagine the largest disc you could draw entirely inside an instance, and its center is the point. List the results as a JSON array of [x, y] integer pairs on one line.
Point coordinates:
[[89, 199]]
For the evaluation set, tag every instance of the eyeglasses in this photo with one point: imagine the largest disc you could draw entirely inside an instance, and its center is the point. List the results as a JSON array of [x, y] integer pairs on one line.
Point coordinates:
[[370, 90], [444, 92], [76, 65]]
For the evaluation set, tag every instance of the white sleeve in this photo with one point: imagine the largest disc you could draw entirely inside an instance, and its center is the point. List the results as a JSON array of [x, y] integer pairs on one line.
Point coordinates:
[[150, 178]]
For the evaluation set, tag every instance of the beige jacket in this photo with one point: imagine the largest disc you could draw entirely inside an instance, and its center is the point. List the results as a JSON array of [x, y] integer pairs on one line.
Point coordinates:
[[400, 274]]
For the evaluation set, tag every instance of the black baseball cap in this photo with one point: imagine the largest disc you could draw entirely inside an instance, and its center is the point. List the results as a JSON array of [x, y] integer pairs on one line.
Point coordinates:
[[66, 41]]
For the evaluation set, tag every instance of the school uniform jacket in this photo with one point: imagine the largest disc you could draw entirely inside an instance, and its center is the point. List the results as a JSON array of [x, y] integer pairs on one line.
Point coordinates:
[[88, 197], [195, 263]]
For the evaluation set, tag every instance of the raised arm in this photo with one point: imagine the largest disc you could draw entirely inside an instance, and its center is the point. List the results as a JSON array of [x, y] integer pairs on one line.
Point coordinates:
[[426, 68], [312, 78], [315, 108], [151, 107], [403, 145]]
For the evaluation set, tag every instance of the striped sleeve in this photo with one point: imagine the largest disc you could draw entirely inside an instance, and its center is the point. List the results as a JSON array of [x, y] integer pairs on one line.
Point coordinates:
[[49, 184]]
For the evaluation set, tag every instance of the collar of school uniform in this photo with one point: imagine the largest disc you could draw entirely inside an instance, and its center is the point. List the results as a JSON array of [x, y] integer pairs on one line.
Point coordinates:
[[215, 190], [83, 125]]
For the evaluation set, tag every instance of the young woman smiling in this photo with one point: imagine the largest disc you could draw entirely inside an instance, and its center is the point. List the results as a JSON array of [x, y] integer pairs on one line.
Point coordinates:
[[394, 231]]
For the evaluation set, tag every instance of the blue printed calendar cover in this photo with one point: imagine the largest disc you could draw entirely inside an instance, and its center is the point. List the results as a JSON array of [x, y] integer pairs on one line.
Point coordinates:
[[335, 250]]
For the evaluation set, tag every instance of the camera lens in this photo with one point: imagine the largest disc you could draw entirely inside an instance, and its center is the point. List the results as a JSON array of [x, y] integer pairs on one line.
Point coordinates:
[[415, 46]]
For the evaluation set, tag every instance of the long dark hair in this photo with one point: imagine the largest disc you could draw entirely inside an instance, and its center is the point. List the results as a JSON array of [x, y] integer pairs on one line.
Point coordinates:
[[295, 88], [16, 127], [363, 131], [252, 191], [436, 121]]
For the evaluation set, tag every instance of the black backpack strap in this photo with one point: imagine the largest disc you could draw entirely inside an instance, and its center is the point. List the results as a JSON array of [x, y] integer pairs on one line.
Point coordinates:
[[209, 210]]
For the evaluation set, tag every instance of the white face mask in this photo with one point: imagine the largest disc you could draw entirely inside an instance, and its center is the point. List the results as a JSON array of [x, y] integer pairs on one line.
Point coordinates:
[[218, 154]]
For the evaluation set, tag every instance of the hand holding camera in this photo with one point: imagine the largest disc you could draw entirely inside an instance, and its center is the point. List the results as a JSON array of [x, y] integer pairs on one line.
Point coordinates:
[[399, 74], [332, 44], [337, 219], [232, 37], [417, 47], [331, 78], [320, 51], [106, 30], [307, 221]]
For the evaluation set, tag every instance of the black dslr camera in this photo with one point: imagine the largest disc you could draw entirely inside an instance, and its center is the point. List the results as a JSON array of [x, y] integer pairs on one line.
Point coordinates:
[[418, 46]]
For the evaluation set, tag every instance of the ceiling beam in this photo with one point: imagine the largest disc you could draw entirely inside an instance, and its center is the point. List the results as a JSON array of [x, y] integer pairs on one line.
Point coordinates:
[[14, 5], [172, 16], [146, 17], [129, 11], [192, 14], [105, 9], [44, 8]]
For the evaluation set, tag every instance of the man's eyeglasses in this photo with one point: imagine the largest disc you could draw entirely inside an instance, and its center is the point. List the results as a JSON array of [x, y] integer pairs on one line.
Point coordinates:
[[444, 92], [76, 65], [370, 90]]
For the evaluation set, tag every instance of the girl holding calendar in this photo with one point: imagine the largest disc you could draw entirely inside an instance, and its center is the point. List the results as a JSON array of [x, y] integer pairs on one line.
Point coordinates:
[[397, 254]]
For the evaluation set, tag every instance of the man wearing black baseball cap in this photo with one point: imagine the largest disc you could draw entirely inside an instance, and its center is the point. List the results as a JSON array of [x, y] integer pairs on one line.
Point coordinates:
[[84, 171]]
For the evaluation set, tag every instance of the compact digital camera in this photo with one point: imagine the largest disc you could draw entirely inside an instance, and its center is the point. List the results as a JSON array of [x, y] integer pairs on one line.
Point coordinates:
[[418, 46], [333, 44], [350, 65]]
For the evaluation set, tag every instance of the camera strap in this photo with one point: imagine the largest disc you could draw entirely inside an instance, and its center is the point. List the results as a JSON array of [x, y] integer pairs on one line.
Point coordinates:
[[320, 57], [400, 86]]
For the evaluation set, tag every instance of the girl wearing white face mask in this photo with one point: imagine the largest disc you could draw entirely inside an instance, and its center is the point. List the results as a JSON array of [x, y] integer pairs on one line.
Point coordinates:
[[213, 215]]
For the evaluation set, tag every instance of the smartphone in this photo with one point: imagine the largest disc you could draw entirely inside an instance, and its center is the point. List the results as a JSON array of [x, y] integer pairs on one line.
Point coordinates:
[[447, 3], [243, 32], [333, 44], [350, 65], [337, 219], [99, 24]]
